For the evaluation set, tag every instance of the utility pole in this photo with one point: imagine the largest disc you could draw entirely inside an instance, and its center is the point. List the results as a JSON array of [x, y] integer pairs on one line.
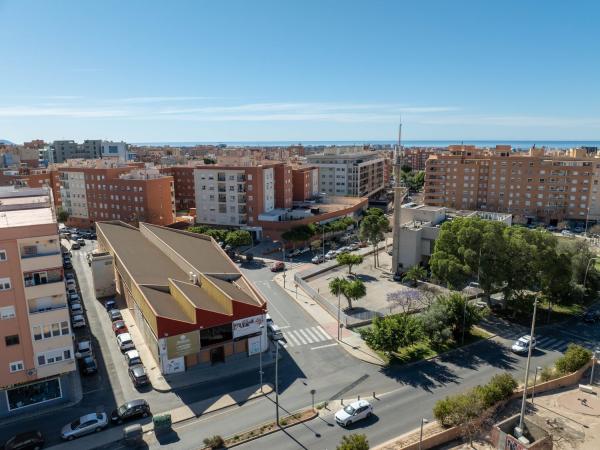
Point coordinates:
[[277, 382], [531, 337]]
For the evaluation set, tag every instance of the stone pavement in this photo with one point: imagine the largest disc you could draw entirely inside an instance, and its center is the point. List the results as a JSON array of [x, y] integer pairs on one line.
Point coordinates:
[[350, 341], [114, 434], [580, 402], [192, 376]]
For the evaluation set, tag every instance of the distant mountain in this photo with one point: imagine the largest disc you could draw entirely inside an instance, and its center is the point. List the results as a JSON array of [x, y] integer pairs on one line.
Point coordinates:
[[4, 141]]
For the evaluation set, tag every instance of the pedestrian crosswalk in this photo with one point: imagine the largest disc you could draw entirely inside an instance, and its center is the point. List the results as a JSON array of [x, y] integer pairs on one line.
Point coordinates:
[[558, 342], [305, 336]]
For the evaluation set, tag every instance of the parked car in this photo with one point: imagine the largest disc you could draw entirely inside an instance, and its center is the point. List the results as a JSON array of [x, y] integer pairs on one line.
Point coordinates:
[[269, 319], [133, 358], [274, 332], [362, 244], [566, 233], [67, 264], [354, 412], [331, 254], [249, 257], [75, 236], [138, 375], [83, 349], [88, 365], [78, 321], [81, 242], [93, 235], [76, 308], [125, 342], [75, 245], [86, 424], [522, 345], [353, 247], [277, 266], [29, 440], [74, 297], [130, 410], [591, 316], [318, 259], [110, 304], [578, 230], [119, 327], [304, 250], [70, 276], [115, 315]]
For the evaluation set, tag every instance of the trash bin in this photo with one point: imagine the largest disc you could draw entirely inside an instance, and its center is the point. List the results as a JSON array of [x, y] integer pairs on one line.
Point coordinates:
[[162, 423], [133, 434]]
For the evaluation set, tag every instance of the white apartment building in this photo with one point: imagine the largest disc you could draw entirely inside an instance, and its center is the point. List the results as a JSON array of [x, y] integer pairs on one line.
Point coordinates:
[[349, 171], [110, 149], [73, 194]]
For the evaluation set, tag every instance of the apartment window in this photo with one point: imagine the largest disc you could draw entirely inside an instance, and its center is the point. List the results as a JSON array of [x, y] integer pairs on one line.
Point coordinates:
[[4, 284], [16, 366], [249, 177], [13, 339], [3, 255], [7, 312], [64, 328]]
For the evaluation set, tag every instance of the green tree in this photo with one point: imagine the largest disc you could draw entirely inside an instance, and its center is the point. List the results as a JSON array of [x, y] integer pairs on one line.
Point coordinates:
[[390, 333], [217, 234], [372, 229], [574, 359], [199, 229], [337, 286], [354, 442], [413, 180], [435, 323], [62, 215], [300, 233], [238, 238], [349, 259], [354, 291], [209, 161], [415, 273], [461, 314]]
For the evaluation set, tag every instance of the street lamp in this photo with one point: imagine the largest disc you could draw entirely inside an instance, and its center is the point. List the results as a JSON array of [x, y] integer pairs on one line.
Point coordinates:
[[260, 371], [277, 382], [593, 365], [464, 322], [531, 337], [534, 382], [423, 422]]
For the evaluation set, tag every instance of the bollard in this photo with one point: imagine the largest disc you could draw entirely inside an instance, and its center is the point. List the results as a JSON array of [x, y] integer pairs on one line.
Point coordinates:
[[342, 400], [359, 397], [374, 394]]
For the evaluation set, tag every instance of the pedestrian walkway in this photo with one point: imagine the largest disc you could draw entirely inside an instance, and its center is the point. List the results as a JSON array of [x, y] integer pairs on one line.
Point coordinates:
[[559, 341], [305, 336]]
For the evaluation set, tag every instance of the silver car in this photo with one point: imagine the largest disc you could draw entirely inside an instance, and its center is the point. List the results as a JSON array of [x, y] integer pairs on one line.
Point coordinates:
[[90, 423]]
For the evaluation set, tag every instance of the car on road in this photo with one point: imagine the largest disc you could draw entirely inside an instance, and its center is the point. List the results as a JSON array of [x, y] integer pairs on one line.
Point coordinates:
[[110, 304], [318, 259], [119, 327], [67, 264], [89, 423], [591, 316], [75, 245], [138, 375], [358, 410], [521, 346], [125, 342], [71, 283], [353, 247], [133, 358], [83, 349], [304, 250], [78, 321], [74, 297], [578, 230], [566, 233], [331, 254], [29, 440], [115, 315], [70, 276], [274, 332], [130, 410], [277, 266], [88, 365], [93, 235]]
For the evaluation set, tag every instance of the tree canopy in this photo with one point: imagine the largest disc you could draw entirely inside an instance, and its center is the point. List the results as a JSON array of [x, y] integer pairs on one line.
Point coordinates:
[[349, 259], [373, 228], [354, 442], [238, 238]]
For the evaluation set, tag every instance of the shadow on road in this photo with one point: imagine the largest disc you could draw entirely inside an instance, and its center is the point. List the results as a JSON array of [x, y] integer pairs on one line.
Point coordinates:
[[486, 352], [426, 375]]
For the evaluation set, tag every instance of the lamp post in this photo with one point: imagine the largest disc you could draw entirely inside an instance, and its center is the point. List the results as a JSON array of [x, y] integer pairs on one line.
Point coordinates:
[[339, 331], [423, 422], [534, 382], [277, 382], [312, 393], [464, 322], [531, 337], [593, 365], [260, 371], [283, 257]]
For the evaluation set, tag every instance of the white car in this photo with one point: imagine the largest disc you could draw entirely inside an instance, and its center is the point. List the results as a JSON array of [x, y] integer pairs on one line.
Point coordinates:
[[522, 345], [89, 423], [71, 284], [331, 254], [125, 342], [353, 412], [83, 349], [133, 358], [78, 321]]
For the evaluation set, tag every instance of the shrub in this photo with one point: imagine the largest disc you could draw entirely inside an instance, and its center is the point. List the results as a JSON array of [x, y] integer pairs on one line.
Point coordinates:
[[214, 442], [574, 359], [415, 352], [354, 442], [548, 373]]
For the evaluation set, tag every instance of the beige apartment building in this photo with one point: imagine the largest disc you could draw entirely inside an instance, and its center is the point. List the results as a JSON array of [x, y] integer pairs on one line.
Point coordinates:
[[37, 365], [538, 185]]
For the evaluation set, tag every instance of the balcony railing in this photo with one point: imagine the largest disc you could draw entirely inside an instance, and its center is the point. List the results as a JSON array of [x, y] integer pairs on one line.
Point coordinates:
[[45, 277], [39, 254], [43, 309]]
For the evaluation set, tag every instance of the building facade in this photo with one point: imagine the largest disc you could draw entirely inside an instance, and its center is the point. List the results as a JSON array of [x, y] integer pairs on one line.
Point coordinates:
[[37, 362], [533, 186], [120, 150], [305, 183], [64, 150], [183, 178], [190, 302], [350, 172]]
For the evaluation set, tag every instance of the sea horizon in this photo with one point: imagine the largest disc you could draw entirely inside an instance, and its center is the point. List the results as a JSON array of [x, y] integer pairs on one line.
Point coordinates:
[[516, 144]]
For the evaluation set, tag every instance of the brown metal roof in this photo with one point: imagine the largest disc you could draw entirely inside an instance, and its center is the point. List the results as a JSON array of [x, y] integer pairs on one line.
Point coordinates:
[[200, 298], [164, 304]]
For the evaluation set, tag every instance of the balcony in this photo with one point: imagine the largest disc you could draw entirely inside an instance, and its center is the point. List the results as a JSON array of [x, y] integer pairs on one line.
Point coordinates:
[[241, 199], [44, 283], [47, 304], [40, 261]]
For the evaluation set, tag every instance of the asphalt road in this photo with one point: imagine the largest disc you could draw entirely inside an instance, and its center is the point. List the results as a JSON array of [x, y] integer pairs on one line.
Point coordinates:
[[405, 393]]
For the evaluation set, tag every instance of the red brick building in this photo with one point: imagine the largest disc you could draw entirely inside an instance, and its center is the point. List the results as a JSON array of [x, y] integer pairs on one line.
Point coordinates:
[[305, 183]]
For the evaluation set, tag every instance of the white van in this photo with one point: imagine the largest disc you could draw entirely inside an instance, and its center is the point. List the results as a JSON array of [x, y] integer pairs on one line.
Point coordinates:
[[274, 332]]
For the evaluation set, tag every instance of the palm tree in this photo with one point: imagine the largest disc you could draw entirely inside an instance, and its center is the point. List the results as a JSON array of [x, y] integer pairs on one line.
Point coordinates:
[[354, 290], [415, 273], [337, 285]]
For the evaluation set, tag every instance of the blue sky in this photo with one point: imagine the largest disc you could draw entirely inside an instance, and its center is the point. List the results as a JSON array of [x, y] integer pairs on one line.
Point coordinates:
[[224, 70]]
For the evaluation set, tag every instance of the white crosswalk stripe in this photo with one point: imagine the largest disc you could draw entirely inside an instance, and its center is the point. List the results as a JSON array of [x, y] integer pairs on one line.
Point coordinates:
[[305, 336]]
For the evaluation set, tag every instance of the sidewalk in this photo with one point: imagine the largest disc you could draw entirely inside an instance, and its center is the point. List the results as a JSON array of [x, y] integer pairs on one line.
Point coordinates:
[[190, 377], [350, 341], [114, 434]]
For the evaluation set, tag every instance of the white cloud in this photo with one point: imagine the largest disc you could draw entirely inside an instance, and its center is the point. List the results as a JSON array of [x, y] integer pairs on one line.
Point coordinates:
[[513, 121]]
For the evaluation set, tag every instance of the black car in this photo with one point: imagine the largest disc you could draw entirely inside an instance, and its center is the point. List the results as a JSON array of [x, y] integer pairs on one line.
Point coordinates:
[[88, 365], [130, 410], [93, 236], [591, 317], [138, 375], [30, 440], [110, 304]]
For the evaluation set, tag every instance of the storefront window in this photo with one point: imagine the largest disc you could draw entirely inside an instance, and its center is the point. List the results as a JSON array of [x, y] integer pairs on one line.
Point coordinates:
[[216, 335], [34, 393]]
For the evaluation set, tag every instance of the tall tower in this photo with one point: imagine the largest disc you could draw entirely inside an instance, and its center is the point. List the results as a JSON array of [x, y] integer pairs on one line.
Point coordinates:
[[399, 194]]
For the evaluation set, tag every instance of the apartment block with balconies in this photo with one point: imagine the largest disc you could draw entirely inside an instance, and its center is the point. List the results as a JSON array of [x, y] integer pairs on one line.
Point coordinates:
[[37, 365]]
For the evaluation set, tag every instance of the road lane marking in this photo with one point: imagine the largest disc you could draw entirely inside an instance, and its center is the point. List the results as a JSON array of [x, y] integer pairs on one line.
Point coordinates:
[[308, 338], [292, 338], [324, 346], [313, 335], [323, 332], [300, 337]]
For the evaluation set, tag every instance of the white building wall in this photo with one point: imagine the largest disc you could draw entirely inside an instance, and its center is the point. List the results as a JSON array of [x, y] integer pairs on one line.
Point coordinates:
[[208, 208], [73, 194], [112, 149], [269, 189]]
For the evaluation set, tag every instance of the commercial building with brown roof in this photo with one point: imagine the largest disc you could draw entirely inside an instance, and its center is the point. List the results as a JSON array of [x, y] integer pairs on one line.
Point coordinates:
[[190, 301]]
